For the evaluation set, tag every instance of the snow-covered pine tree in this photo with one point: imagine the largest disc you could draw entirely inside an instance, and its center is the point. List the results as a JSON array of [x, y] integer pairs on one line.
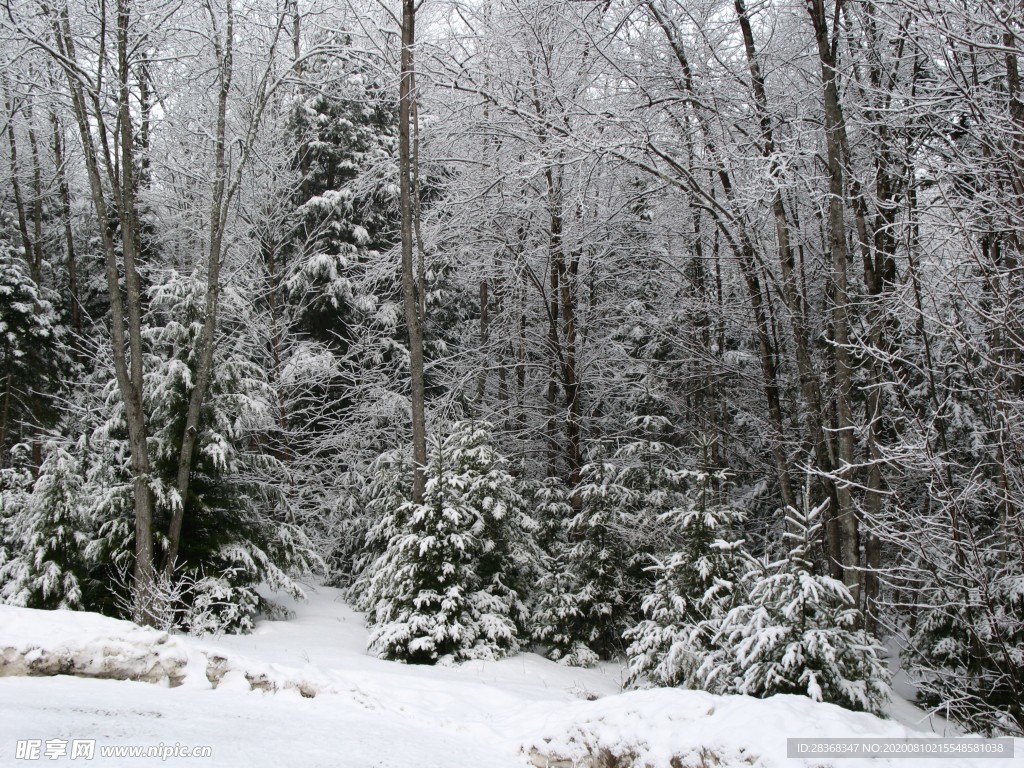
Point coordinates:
[[107, 501], [332, 295], [696, 587], [31, 356], [599, 572], [346, 127], [379, 516], [556, 611], [965, 637], [13, 485], [584, 600], [238, 532], [448, 584], [49, 568], [798, 632]]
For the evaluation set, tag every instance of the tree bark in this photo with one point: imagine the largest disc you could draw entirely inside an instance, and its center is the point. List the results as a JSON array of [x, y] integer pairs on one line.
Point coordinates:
[[218, 223], [71, 261], [810, 385], [413, 316], [848, 555], [125, 330], [19, 200], [733, 228], [481, 381]]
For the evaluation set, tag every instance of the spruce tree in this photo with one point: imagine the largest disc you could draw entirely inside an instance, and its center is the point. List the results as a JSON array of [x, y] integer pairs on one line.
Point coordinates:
[[345, 129], [601, 569], [49, 567], [799, 632], [31, 355], [380, 515], [558, 619], [15, 486], [449, 582], [696, 587], [581, 613], [238, 531]]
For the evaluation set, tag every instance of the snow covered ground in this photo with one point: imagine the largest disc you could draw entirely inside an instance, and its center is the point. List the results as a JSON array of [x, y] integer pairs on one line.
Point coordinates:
[[304, 693]]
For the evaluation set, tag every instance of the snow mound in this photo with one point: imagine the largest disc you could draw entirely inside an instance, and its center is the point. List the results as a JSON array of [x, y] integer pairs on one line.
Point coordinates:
[[325, 698], [46, 643], [673, 728]]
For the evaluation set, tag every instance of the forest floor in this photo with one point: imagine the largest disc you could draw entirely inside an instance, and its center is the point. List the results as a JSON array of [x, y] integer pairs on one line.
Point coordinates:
[[303, 692]]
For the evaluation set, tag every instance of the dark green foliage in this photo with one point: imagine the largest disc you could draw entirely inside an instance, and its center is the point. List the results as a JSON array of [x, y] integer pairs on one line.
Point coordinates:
[[799, 632], [346, 132], [596, 577], [47, 535], [450, 580], [31, 356], [237, 532], [696, 586]]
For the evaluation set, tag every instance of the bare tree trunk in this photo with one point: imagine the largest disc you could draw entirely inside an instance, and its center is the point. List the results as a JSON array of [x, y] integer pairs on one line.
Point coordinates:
[[215, 255], [144, 570], [127, 348], [554, 351], [563, 294], [71, 261], [413, 315], [37, 198], [481, 382], [827, 44], [810, 385], [19, 200], [730, 222], [875, 234]]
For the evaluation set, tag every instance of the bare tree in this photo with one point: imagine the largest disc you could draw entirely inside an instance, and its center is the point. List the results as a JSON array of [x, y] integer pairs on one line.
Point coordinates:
[[411, 285]]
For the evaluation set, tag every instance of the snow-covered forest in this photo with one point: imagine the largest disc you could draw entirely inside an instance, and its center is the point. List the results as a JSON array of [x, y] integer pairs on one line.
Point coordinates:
[[689, 332]]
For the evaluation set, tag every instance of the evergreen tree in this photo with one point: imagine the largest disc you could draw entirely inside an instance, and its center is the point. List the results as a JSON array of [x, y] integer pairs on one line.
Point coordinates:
[[15, 487], [584, 595], [346, 132], [798, 632], [11, 492], [49, 566], [375, 521], [696, 587], [557, 618], [31, 356], [449, 583], [966, 638], [600, 569], [238, 532]]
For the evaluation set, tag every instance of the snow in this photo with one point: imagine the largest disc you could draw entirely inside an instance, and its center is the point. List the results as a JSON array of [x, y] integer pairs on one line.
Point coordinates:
[[303, 692]]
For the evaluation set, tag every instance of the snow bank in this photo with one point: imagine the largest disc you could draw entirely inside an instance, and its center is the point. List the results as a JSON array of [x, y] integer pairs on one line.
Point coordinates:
[[672, 728], [45, 643], [514, 712]]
